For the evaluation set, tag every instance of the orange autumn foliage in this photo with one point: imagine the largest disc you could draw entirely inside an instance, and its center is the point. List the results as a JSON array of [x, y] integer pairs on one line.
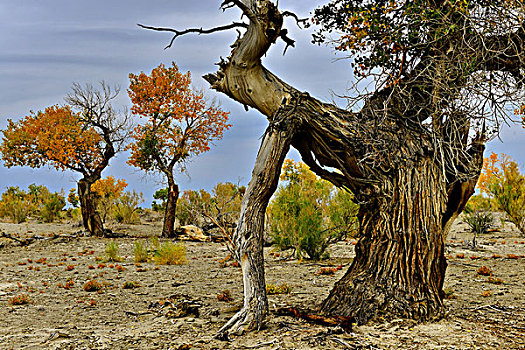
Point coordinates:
[[57, 137], [109, 187], [180, 123]]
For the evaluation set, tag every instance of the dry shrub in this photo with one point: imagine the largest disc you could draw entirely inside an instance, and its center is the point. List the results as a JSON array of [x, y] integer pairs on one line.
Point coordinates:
[[273, 289], [484, 271], [171, 254], [92, 286], [21, 299]]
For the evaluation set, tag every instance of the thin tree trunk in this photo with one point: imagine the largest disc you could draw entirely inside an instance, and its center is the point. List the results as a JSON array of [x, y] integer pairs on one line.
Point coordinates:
[[400, 265], [248, 238], [168, 228], [90, 217]]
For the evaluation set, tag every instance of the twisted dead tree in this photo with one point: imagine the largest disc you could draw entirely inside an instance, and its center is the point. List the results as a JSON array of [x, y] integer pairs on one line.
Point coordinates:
[[442, 75]]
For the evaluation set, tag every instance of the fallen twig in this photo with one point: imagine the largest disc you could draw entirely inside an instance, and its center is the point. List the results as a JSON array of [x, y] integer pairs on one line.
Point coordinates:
[[342, 321]]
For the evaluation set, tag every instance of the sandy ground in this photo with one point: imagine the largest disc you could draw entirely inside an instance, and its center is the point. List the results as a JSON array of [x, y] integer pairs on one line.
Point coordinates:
[[62, 315]]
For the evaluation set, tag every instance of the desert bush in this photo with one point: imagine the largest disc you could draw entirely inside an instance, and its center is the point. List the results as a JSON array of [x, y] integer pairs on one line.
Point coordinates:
[[21, 299], [479, 222], [484, 271], [53, 206], [308, 213], [112, 252], [18, 204], [170, 254], [502, 180], [141, 252], [15, 204], [127, 207], [130, 285], [92, 286], [225, 296], [272, 289]]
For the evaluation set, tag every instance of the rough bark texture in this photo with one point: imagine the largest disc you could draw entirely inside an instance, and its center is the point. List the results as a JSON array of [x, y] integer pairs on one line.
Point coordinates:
[[171, 207], [248, 239], [400, 265], [90, 217]]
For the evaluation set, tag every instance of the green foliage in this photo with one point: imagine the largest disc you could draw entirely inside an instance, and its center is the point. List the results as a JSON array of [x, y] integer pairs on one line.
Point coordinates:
[[479, 221], [191, 205], [15, 204], [478, 203], [141, 252], [161, 195], [170, 254], [18, 204], [52, 208], [307, 213], [112, 252], [130, 285]]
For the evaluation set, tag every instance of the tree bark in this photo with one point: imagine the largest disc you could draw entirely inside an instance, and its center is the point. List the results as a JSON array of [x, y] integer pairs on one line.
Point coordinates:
[[168, 227], [248, 238], [90, 217], [400, 265]]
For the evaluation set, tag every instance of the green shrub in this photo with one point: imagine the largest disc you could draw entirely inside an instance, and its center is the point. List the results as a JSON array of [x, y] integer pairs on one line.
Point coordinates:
[[307, 213], [141, 252], [130, 285], [479, 222], [112, 252], [170, 254], [52, 208], [15, 204]]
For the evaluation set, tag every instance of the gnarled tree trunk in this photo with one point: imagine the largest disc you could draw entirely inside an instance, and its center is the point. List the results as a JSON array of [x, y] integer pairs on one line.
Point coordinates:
[[400, 265], [90, 216], [410, 186], [168, 226]]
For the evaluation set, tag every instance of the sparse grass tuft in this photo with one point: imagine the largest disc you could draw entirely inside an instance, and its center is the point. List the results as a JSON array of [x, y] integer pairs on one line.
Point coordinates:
[[449, 294], [141, 252], [272, 289], [112, 253], [130, 285], [171, 254]]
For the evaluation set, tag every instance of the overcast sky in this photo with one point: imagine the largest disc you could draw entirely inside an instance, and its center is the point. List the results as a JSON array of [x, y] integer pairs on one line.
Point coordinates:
[[48, 45]]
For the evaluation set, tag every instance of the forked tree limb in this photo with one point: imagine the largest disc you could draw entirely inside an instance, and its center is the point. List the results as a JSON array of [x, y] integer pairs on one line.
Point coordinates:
[[193, 30]]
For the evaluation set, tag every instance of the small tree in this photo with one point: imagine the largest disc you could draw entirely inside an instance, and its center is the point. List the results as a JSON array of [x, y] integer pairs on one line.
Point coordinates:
[[107, 192], [82, 141], [180, 124], [502, 180]]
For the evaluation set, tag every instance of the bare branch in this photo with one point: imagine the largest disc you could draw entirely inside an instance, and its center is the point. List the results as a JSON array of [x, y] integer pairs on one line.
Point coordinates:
[[194, 30], [227, 4], [298, 21]]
